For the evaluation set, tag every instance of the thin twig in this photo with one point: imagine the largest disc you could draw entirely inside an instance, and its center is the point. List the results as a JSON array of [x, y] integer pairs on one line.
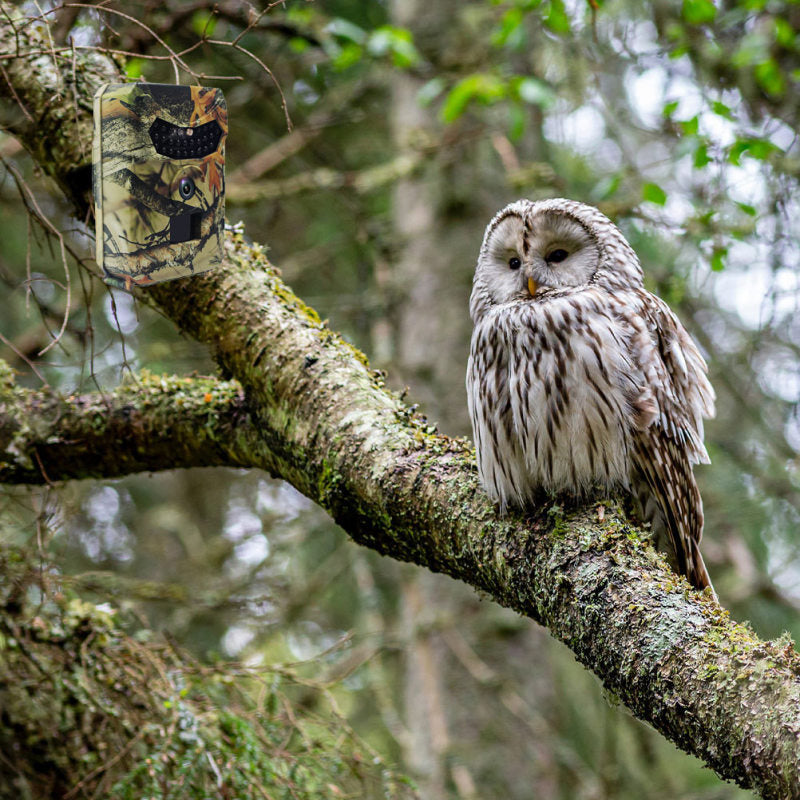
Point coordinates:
[[175, 58], [24, 358], [266, 69], [30, 203]]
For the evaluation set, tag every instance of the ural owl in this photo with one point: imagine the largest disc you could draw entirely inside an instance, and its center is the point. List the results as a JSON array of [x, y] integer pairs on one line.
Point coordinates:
[[580, 377]]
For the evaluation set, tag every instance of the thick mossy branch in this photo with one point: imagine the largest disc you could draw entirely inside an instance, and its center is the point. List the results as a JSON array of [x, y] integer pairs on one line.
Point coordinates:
[[149, 423], [88, 711], [53, 101], [671, 655]]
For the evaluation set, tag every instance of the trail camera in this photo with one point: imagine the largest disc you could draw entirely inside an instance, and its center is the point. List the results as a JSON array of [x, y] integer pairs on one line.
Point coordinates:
[[159, 181]]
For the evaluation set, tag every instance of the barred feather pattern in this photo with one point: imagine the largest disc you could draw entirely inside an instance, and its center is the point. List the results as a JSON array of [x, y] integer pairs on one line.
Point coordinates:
[[578, 377]]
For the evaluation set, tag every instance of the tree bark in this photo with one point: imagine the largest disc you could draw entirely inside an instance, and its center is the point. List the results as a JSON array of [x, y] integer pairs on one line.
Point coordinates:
[[152, 424], [422, 302], [671, 655]]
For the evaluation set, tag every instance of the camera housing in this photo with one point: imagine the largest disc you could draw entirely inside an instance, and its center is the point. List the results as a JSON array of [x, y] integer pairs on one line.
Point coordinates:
[[159, 181]]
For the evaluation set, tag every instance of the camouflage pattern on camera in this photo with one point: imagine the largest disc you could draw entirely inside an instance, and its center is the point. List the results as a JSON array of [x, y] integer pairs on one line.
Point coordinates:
[[159, 181]]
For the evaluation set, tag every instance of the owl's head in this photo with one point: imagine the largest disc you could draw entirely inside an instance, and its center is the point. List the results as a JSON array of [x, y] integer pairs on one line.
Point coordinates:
[[532, 250]]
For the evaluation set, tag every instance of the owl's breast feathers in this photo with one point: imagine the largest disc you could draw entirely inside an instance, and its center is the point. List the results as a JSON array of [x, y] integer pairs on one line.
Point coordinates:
[[553, 389], [588, 388]]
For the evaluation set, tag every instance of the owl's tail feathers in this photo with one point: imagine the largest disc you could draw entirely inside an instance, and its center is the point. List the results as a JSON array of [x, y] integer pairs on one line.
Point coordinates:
[[696, 569], [675, 515]]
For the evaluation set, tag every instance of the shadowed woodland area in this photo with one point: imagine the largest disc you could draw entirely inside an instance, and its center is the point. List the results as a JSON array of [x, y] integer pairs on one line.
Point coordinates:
[[183, 611]]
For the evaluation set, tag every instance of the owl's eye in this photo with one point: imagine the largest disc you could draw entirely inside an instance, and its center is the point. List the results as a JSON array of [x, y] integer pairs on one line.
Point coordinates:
[[555, 256], [514, 263]]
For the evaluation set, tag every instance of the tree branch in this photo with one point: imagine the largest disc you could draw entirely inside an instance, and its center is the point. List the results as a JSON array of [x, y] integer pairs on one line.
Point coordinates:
[[672, 656], [89, 711], [325, 179], [151, 423]]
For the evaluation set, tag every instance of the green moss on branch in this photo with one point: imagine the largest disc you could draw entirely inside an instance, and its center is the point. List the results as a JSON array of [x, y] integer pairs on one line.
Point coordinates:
[[151, 422]]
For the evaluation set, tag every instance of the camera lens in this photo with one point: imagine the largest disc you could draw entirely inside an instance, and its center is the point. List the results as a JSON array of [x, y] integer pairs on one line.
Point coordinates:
[[186, 188]]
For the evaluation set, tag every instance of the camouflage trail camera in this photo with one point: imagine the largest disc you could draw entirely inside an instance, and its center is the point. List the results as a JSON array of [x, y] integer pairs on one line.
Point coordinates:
[[159, 181]]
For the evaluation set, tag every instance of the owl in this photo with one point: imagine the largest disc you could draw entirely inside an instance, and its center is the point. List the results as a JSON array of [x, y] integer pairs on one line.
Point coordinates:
[[578, 377]]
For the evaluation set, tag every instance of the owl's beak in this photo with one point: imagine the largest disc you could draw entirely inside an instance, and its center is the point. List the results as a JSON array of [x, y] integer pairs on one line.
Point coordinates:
[[532, 287]]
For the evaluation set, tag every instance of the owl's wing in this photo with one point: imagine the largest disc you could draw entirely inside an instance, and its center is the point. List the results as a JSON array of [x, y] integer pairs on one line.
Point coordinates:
[[669, 438], [677, 373]]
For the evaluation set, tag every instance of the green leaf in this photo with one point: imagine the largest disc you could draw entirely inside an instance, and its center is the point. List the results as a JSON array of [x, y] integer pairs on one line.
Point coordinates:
[[690, 126], [653, 193], [721, 110], [535, 92], [344, 29], [398, 43], [760, 149], [770, 77], [699, 12], [701, 156], [350, 53], [784, 33], [556, 17], [508, 28], [298, 45], [299, 15], [706, 217], [674, 31], [481, 87], [737, 150], [670, 108], [718, 259], [749, 210], [204, 22], [133, 68]]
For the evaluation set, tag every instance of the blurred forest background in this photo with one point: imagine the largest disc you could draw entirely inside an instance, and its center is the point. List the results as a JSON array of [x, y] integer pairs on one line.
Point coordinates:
[[411, 124]]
